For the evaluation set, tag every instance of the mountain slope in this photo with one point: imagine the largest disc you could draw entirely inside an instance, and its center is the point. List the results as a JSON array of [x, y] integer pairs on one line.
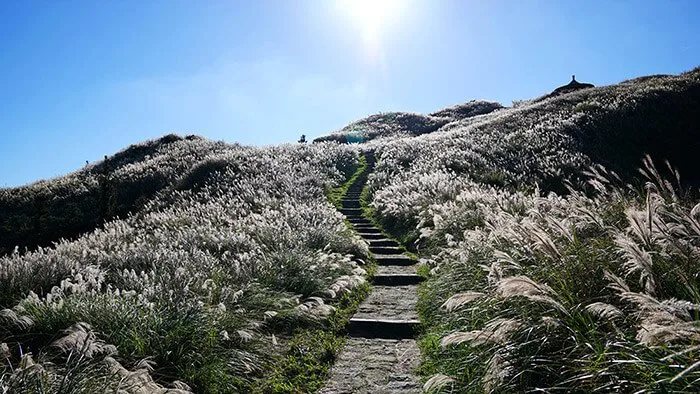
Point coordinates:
[[241, 244], [396, 124], [594, 288], [222, 265]]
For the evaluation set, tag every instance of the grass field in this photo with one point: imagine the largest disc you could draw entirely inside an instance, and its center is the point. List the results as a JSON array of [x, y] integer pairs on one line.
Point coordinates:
[[562, 253]]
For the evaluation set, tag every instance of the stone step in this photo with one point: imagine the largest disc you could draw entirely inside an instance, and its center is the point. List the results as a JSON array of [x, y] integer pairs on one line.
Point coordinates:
[[383, 328], [392, 250], [397, 280], [350, 203], [390, 303], [369, 236], [368, 230], [397, 259], [383, 242], [360, 221], [353, 216], [373, 365], [397, 269], [364, 226], [351, 211]]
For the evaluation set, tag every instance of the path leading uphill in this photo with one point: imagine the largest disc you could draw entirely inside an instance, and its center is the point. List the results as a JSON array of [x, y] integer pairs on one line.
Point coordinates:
[[381, 354]]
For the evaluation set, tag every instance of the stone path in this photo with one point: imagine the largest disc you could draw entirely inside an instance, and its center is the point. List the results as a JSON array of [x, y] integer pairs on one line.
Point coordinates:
[[381, 354]]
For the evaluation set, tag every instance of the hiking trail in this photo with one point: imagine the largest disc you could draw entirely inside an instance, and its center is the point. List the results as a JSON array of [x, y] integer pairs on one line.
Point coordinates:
[[381, 353]]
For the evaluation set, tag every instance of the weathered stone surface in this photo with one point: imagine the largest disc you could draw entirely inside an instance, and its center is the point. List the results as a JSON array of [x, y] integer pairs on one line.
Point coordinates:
[[396, 269], [390, 302], [397, 280], [383, 366], [371, 363], [394, 259]]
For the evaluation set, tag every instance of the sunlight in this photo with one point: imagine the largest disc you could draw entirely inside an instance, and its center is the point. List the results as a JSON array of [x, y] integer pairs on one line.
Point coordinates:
[[370, 15], [371, 18]]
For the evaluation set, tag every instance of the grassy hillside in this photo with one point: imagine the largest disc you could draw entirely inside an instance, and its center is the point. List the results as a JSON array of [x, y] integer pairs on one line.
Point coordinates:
[[401, 124], [208, 284], [44, 212], [208, 267], [593, 288]]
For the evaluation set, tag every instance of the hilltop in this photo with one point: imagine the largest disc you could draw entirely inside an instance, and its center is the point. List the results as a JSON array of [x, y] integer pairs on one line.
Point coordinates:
[[401, 124], [551, 260]]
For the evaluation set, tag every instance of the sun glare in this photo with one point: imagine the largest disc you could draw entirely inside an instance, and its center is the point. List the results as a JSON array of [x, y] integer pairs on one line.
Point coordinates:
[[371, 18], [370, 15]]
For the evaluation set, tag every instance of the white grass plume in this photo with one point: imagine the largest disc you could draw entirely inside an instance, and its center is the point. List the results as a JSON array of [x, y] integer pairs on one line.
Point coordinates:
[[604, 310], [436, 383], [637, 260], [523, 286], [458, 300], [496, 331]]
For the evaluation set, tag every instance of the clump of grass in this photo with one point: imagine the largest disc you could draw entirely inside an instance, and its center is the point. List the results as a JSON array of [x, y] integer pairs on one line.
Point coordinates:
[[306, 365], [335, 194]]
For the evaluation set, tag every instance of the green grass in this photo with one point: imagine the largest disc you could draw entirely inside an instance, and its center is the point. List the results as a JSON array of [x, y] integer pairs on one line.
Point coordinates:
[[306, 365], [337, 193]]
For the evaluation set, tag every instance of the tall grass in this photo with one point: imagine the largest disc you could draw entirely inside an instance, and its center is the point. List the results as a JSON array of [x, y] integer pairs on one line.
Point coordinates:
[[547, 272], [200, 289]]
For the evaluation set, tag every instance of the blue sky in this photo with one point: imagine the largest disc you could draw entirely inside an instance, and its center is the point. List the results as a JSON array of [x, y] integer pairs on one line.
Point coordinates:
[[80, 80]]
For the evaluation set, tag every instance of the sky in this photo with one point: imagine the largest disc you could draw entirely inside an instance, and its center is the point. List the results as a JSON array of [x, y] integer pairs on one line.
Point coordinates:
[[84, 79]]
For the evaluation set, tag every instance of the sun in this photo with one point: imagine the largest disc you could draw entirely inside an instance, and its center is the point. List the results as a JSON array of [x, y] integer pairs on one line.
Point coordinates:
[[370, 16], [371, 19]]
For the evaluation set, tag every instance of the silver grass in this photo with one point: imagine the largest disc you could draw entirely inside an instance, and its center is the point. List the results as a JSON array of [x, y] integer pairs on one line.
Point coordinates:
[[637, 260], [139, 381], [81, 338], [436, 383], [616, 283], [459, 337], [523, 286], [544, 242], [496, 331], [603, 310], [563, 227], [652, 174], [497, 370], [245, 335], [651, 334], [11, 318], [458, 300], [650, 305]]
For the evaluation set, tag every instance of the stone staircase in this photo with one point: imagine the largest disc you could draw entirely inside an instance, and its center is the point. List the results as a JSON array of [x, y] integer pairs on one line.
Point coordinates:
[[381, 353]]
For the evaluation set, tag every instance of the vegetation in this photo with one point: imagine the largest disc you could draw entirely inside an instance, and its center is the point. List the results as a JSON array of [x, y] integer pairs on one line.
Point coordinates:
[[44, 212], [548, 272], [553, 264], [335, 194], [402, 124], [202, 288]]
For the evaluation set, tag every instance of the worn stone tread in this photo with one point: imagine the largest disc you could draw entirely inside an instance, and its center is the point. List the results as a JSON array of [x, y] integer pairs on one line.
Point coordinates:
[[383, 366], [394, 259], [390, 302], [377, 358], [397, 279]]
